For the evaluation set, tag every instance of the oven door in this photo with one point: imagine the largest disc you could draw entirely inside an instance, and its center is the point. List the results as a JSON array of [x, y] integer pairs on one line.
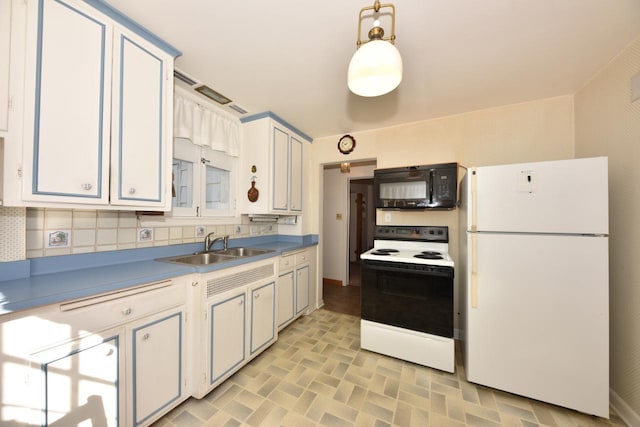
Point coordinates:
[[410, 296]]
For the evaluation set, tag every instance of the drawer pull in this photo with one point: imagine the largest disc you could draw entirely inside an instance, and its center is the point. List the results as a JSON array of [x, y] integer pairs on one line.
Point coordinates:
[[146, 336], [127, 311], [111, 296]]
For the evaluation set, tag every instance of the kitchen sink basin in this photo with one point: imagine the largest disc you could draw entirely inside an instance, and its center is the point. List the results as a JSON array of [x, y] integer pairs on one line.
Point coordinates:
[[205, 258], [242, 252], [215, 257]]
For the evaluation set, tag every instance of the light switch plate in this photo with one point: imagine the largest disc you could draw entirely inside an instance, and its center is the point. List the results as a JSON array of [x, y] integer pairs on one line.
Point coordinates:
[[526, 181], [338, 216]]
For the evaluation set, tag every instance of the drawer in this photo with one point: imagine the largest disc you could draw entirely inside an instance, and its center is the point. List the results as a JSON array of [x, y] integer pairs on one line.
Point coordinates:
[[92, 314], [302, 257], [287, 262]]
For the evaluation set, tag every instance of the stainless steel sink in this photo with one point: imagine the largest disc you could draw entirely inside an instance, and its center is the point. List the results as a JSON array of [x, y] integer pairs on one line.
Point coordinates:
[[200, 259], [215, 257], [243, 252]]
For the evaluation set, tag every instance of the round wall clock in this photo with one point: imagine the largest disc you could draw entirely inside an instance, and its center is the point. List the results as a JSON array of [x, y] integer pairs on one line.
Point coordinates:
[[346, 144]]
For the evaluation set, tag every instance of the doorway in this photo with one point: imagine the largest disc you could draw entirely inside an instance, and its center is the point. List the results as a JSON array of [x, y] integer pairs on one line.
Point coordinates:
[[361, 224], [348, 220]]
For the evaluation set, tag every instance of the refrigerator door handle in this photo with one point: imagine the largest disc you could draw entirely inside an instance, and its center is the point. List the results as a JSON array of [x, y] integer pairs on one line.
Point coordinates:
[[474, 271], [474, 201]]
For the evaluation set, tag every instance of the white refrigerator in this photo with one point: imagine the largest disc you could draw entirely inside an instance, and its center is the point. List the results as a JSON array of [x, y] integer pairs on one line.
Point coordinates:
[[535, 261]]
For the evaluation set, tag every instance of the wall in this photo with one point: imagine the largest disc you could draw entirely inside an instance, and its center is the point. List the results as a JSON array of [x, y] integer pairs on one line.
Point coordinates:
[[608, 124], [533, 131]]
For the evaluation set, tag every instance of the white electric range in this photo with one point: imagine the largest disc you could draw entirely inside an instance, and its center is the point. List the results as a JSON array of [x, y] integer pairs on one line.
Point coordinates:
[[407, 295]]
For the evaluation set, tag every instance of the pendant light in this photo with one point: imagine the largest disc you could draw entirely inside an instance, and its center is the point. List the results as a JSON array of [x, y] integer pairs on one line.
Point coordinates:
[[376, 66]]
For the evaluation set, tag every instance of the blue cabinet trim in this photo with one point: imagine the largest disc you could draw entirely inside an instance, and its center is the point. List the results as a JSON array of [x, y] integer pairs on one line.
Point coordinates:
[[277, 119], [121, 196], [273, 317], [130, 24], [244, 351], [37, 112], [134, 373], [45, 371]]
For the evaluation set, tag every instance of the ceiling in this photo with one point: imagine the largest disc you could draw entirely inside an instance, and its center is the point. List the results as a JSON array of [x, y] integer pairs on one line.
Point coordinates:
[[291, 56]]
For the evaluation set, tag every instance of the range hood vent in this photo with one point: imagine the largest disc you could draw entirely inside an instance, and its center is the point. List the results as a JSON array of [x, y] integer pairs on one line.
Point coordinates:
[[183, 77], [207, 92], [238, 109]]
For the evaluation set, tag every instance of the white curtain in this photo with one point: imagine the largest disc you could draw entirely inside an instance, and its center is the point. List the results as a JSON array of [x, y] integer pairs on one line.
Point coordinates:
[[203, 126]]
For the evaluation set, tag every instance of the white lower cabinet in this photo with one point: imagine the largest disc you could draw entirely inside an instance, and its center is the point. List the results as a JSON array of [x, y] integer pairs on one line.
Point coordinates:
[[157, 365], [81, 381], [227, 343], [286, 298], [302, 289], [294, 285], [238, 321], [116, 359], [263, 316]]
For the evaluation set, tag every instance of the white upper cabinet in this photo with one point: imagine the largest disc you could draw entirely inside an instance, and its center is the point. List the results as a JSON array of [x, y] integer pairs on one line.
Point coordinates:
[[272, 159], [139, 122], [97, 115], [67, 98], [5, 43]]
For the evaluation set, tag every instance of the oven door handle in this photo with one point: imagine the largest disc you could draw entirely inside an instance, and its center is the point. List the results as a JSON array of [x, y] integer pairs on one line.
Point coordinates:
[[442, 272]]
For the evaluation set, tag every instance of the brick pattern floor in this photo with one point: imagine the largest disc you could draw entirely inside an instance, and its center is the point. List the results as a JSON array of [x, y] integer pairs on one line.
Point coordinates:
[[317, 375]]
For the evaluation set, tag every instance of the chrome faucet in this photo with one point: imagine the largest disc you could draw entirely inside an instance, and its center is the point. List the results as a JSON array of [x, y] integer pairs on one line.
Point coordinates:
[[208, 243]]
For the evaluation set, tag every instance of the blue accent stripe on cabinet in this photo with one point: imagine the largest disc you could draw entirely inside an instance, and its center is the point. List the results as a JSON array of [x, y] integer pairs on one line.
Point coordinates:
[[278, 119], [44, 368], [135, 364], [38, 97], [121, 193], [130, 24]]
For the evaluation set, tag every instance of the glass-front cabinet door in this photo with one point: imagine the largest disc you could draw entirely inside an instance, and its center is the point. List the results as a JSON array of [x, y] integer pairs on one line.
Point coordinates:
[[185, 180], [218, 191], [203, 181]]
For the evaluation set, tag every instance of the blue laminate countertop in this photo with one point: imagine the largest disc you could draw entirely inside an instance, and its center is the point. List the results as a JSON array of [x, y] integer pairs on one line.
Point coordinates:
[[42, 281]]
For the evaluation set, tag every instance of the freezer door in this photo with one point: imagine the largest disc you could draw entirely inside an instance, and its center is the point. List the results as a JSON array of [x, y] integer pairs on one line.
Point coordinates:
[[537, 318], [567, 196]]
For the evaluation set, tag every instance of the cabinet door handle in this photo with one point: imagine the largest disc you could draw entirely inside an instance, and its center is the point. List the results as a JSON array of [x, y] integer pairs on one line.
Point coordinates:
[[132, 190], [86, 186], [146, 336], [256, 295], [109, 352], [240, 302], [127, 311]]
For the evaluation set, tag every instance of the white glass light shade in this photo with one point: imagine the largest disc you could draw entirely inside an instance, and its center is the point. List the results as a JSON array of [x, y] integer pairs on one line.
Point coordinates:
[[375, 69]]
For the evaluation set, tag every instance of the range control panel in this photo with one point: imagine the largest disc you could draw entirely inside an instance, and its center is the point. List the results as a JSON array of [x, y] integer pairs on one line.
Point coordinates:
[[427, 233]]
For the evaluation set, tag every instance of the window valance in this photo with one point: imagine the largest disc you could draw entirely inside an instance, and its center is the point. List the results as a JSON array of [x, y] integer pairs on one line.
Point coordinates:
[[204, 126]]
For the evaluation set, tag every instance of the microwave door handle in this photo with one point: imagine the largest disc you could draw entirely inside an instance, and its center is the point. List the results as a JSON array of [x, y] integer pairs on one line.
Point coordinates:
[[431, 181]]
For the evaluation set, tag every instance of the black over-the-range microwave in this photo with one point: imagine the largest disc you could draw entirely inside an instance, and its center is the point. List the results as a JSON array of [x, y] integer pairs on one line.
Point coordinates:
[[417, 187]]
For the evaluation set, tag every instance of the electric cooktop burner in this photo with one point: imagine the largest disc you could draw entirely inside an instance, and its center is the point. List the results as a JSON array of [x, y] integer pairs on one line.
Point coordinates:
[[384, 251], [429, 255]]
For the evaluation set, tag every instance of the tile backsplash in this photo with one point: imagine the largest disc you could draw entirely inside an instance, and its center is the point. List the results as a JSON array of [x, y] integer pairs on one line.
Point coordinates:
[[51, 232], [12, 227]]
